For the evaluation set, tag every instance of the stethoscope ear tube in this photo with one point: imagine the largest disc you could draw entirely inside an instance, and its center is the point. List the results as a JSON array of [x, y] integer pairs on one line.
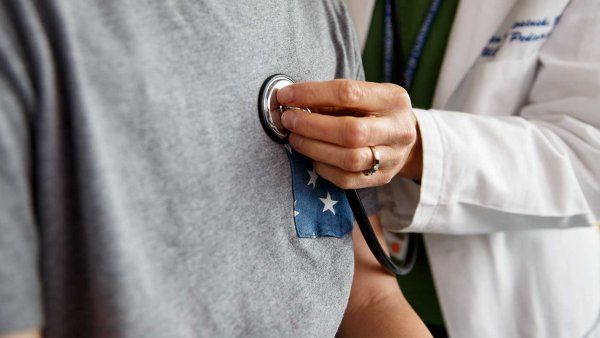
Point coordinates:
[[369, 234]]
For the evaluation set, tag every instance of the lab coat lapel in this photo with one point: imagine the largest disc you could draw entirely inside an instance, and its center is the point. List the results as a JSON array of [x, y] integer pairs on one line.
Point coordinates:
[[474, 24]]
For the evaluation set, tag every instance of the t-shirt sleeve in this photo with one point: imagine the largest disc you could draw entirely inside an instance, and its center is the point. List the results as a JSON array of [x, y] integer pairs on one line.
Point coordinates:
[[20, 300]]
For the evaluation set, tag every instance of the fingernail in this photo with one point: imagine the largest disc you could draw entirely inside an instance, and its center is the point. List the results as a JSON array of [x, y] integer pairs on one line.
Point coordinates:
[[285, 95], [288, 119]]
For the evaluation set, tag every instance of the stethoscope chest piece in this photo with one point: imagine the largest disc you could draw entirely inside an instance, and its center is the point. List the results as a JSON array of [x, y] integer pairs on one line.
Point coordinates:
[[269, 109]]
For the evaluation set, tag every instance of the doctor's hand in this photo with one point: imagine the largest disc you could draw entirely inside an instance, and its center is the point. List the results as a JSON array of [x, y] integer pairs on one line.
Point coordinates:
[[348, 117]]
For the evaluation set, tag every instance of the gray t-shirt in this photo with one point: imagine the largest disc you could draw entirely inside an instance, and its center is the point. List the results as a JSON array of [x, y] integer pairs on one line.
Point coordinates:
[[139, 195]]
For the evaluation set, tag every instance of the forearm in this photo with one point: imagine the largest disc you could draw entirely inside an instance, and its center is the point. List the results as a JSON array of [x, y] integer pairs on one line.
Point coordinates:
[[376, 307], [387, 316], [30, 333]]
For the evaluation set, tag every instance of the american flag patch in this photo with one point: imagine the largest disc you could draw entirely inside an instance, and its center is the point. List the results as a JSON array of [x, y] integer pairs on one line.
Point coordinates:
[[320, 207]]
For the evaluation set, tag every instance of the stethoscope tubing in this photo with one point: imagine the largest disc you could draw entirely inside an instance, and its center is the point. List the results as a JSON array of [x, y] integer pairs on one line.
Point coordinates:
[[360, 215]]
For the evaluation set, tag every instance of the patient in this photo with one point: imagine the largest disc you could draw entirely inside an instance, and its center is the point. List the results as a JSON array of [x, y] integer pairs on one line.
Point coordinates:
[[139, 195]]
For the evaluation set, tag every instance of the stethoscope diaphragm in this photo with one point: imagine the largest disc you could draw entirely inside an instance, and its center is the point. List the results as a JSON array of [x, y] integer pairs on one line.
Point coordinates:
[[269, 109]]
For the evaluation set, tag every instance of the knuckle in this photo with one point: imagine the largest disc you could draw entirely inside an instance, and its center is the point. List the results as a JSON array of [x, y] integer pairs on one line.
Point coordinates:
[[355, 133], [399, 96], [408, 136], [401, 91], [355, 160], [349, 92], [395, 162]]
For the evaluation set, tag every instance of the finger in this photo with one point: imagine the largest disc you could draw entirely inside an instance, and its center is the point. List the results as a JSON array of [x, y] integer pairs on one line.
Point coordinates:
[[352, 180], [359, 95], [346, 131], [349, 159]]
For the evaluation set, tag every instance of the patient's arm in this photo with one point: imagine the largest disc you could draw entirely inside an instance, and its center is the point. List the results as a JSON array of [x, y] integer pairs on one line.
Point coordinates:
[[377, 307], [30, 333]]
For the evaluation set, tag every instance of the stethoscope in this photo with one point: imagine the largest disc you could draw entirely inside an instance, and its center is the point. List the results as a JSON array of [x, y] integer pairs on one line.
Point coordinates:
[[269, 113]]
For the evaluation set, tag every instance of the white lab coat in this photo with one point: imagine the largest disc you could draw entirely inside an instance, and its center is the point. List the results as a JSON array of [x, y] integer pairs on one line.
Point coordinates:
[[510, 194]]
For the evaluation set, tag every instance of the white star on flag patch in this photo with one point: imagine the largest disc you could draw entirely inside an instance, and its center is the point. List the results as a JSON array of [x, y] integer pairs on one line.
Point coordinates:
[[328, 203]]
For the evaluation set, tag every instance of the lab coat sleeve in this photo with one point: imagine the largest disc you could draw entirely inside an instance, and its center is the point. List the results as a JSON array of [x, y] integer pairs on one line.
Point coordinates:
[[540, 169]]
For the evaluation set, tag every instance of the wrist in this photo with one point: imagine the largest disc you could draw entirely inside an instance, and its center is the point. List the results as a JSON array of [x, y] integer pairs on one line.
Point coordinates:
[[413, 168]]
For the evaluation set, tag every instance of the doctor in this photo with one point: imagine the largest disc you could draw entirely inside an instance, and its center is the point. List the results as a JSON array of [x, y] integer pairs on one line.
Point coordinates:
[[508, 161]]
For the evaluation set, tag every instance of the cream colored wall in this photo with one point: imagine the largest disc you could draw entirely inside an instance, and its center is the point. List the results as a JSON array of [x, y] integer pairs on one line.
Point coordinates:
[[361, 11]]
